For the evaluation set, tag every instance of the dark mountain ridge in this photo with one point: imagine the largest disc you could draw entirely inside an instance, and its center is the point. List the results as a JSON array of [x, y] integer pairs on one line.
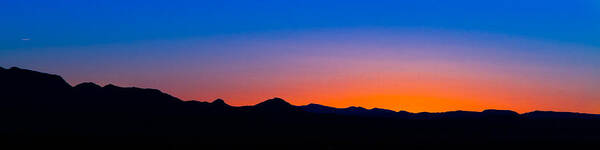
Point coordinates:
[[39, 104], [20, 79]]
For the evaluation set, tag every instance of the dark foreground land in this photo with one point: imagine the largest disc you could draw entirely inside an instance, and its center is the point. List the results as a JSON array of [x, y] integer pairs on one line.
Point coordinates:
[[42, 110]]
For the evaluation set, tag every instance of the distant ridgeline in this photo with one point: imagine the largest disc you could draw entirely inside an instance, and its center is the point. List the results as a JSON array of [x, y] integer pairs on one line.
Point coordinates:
[[44, 105]]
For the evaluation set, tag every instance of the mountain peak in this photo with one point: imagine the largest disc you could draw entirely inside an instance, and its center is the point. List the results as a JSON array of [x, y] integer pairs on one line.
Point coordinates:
[[219, 102], [354, 108], [381, 110], [500, 112], [313, 105], [88, 85], [110, 86], [23, 78], [275, 102]]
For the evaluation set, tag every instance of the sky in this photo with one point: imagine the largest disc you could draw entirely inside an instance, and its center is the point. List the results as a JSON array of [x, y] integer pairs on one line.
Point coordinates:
[[412, 55]]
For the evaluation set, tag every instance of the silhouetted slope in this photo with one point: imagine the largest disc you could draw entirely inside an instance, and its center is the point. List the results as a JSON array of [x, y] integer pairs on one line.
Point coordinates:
[[316, 108], [378, 112], [558, 115], [217, 106], [354, 111], [220, 102], [275, 105], [32, 91], [40, 104]]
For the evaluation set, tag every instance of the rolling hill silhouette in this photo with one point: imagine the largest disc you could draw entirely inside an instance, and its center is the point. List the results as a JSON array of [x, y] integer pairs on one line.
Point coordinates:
[[40, 105]]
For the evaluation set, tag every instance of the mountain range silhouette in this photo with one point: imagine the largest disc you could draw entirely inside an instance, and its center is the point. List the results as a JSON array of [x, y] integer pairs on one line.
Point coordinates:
[[44, 107]]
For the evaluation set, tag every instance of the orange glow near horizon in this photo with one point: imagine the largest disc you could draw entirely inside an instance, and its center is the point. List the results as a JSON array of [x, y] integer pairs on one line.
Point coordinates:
[[417, 87], [416, 56], [398, 71]]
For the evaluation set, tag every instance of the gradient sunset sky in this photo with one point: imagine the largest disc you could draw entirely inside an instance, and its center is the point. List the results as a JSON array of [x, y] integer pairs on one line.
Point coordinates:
[[413, 55]]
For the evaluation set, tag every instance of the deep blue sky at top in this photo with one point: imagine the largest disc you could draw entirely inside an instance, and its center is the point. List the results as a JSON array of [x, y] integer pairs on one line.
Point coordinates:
[[414, 55], [74, 22]]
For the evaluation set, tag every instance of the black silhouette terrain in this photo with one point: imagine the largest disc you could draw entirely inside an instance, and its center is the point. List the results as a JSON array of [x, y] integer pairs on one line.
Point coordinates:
[[42, 108]]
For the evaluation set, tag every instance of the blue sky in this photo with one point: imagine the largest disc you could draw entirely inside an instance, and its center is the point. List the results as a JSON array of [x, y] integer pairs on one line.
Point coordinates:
[[72, 22], [415, 55]]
